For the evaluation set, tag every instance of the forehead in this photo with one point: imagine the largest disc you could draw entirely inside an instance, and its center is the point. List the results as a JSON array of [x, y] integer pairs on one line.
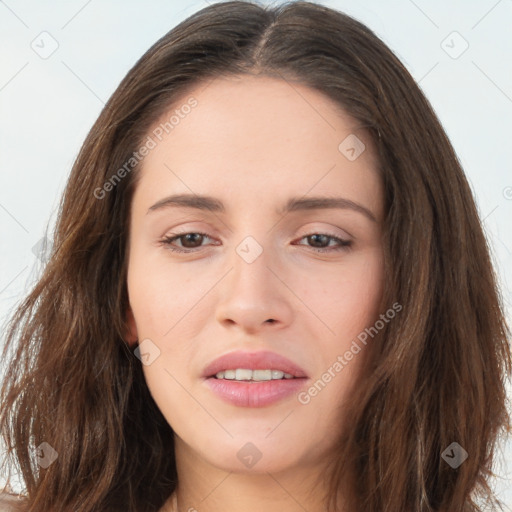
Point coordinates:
[[260, 135], [246, 111]]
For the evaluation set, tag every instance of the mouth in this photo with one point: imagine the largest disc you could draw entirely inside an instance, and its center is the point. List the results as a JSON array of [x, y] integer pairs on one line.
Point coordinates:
[[256, 379], [253, 366], [248, 375]]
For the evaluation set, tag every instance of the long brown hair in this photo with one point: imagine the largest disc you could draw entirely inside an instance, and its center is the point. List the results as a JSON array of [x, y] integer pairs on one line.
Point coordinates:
[[435, 376]]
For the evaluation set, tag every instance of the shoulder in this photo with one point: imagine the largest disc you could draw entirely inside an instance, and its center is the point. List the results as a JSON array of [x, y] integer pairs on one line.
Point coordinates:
[[11, 502]]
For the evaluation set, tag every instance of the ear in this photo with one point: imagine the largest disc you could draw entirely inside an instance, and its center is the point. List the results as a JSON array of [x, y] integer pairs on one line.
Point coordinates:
[[131, 335]]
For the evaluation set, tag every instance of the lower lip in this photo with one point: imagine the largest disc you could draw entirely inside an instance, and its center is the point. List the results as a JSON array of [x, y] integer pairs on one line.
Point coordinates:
[[254, 394]]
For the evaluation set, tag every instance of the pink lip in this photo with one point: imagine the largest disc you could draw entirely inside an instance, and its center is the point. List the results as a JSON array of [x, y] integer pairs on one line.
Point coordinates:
[[254, 394], [261, 360]]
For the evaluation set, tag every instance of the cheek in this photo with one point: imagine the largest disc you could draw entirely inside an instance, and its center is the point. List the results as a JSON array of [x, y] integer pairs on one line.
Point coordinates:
[[348, 299], [159, 294], [350, 304]]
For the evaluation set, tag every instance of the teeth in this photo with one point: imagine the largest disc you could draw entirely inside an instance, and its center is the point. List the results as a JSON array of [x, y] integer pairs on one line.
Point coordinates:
[[253, 375], [241, 374]]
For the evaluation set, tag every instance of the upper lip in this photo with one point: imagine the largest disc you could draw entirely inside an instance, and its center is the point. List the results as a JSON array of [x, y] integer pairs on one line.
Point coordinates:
[[262, 360]]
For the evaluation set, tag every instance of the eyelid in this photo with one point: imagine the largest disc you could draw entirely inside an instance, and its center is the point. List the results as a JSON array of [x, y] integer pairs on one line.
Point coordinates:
[[332, 230], [336, 232], [342, 243]]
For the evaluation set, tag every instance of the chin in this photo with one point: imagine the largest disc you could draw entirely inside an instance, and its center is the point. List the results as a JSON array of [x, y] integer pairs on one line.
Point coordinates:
[[251, 455]]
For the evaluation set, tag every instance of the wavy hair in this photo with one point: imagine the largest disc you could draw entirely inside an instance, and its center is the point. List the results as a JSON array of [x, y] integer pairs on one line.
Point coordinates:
[[435, 376]]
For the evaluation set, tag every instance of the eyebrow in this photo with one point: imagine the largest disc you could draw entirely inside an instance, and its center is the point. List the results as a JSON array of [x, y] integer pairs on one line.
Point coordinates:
[[201, 202]]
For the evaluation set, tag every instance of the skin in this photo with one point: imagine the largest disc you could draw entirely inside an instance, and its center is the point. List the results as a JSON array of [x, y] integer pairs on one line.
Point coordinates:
[[254, 142]]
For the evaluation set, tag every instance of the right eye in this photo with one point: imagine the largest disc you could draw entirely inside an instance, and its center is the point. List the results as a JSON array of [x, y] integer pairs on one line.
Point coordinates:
[[188, 238]]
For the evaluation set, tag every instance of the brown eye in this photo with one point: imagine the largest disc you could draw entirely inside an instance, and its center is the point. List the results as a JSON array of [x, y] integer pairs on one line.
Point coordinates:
[[189, 241], [320, 242]]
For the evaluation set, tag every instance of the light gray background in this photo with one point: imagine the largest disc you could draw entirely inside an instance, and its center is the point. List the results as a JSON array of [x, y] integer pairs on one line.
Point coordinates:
[[47, 106]]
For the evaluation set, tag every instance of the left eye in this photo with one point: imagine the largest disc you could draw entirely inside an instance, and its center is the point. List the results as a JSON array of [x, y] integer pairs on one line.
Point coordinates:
[[189, 242], [320, 238]]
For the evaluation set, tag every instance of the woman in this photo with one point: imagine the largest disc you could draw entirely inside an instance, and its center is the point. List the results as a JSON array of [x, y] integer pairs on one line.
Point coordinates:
[[269, 288]]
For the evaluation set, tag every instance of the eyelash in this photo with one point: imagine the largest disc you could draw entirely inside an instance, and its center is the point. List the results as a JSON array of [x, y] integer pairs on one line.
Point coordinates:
[[168, 240]]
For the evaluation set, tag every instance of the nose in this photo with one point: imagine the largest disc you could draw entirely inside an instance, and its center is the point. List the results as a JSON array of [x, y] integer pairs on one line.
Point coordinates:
[[254, 296]]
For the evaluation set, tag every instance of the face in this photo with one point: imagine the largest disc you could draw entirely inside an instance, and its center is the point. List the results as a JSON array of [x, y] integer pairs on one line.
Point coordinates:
[[241, 272]]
